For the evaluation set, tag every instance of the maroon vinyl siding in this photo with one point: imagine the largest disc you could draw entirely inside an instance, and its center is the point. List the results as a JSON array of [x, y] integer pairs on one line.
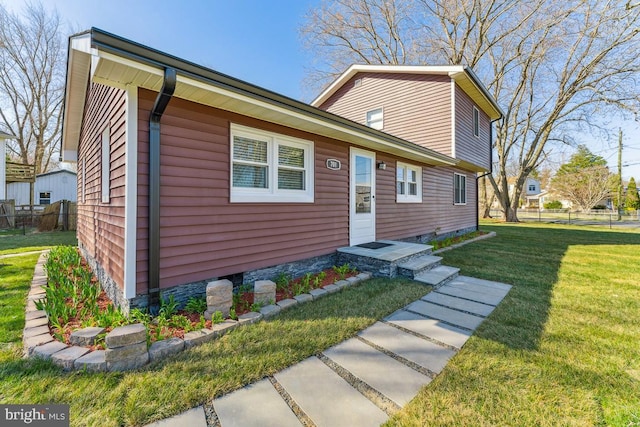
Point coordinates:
[[416, 107], [436, 213], [202, 234], [101, 225], [471, 148]]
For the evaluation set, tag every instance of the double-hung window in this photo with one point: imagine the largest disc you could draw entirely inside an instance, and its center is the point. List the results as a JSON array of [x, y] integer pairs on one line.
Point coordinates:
[[408, 183], [269, 167], [459, 189]]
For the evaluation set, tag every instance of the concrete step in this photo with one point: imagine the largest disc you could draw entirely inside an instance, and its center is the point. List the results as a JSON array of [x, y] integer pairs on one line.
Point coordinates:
[[415, 266], [438, 276]]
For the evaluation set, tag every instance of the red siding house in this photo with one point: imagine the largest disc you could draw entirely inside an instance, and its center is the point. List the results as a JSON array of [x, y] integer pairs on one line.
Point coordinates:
[[187, 175]]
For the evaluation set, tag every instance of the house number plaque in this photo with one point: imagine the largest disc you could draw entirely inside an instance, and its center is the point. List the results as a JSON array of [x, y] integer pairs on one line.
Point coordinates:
[[333, 164]]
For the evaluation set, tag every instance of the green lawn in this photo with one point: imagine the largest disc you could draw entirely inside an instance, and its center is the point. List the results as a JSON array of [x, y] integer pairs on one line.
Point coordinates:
[[561, 349], [12, 242]]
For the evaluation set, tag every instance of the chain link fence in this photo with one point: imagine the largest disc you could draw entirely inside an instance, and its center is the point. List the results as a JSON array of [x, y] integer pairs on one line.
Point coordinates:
[[607, 218]]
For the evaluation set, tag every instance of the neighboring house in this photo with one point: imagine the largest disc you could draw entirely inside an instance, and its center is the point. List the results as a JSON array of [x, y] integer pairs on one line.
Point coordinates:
[[48, 188], [186, 174], [3, 164]]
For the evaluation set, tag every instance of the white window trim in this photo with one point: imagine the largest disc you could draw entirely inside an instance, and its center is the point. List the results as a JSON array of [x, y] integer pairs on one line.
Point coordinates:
[[476, 122], [455, 175], [40, 196], [406, 198], [272, 194], [84, 179], [369, 122], [105, 176]]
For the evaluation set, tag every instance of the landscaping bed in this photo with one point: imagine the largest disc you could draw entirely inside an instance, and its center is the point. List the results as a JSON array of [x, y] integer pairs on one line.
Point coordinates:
[[73, 300]]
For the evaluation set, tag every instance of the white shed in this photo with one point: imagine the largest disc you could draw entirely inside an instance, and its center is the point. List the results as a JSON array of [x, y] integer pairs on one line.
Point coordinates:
[[49, 188]]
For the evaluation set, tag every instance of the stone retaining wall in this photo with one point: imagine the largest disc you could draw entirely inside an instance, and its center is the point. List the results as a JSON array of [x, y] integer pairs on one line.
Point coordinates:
[[127, 345]]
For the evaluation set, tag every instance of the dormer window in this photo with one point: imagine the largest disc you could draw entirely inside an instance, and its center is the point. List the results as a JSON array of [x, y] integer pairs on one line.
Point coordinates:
[[375, 118]]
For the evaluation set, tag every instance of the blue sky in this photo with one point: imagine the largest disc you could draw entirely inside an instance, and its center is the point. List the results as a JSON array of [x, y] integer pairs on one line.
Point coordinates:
[[253, 40]]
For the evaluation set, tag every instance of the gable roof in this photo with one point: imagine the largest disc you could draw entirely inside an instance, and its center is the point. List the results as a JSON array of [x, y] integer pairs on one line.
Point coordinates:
[[463, 76], [111, 60], [57, 171]]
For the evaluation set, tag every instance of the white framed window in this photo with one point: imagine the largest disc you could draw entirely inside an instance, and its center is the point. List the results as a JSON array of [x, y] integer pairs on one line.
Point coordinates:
[[84, 179], [106, 164], [375, 118], [45, 197], [408, 183], [459, 189], [270, 167], [476, 122]]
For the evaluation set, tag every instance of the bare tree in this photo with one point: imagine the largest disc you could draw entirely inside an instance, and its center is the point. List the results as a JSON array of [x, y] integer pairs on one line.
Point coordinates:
[[552, 66], [586, 187], [32, 58]]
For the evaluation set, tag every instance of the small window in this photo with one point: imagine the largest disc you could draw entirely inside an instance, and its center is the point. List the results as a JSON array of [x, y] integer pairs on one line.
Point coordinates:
[[408, 183], [532, 187], [357, 83], [459, 189], [476, 122], [268, 167], [106, 164], [84, 179], [375, 118], [45, 198]]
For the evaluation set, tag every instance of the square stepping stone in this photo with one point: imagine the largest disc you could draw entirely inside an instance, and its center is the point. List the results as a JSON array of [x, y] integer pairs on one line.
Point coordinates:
[[258, 404], [460, 289], [417, 350], [194, 417], [459, 304], [431, 328], [454, 317], [315, 388], [385, 374]]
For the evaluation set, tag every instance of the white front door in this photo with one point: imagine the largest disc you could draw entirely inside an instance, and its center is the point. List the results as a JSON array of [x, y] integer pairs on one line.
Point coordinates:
[[362, 210]]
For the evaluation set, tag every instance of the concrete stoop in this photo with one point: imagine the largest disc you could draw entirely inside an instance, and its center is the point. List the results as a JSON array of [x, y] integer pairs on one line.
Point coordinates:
[[363, 380]]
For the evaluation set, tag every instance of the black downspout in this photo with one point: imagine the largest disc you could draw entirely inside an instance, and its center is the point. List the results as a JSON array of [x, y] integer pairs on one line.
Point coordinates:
[[168, 87]]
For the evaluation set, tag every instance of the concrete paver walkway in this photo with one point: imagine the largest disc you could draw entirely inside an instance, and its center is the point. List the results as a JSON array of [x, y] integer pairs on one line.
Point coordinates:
[[361, 381]]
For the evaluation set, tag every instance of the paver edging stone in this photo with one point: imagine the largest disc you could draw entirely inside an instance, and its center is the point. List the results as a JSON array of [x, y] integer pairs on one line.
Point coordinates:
[[124, 348]]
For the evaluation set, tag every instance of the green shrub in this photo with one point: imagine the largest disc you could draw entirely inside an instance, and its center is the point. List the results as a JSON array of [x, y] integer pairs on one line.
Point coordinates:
[[554, 204]]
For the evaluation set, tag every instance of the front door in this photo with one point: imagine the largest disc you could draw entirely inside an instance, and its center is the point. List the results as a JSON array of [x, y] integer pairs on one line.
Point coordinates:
[[362, 211]]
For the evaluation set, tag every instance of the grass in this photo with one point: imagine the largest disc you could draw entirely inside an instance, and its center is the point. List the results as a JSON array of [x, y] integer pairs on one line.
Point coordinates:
[[11, 243], [561, 349], [195, 376], [16, 273]]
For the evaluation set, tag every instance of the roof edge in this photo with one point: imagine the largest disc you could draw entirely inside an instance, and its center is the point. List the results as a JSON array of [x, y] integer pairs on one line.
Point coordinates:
[[108, 42]]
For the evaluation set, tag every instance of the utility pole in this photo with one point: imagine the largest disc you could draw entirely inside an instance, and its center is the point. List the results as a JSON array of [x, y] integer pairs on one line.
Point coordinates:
[[619, 174]]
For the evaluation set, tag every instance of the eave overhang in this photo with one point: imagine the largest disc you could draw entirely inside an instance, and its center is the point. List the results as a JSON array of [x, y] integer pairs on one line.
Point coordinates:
[[463, 76], [104, 58]]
